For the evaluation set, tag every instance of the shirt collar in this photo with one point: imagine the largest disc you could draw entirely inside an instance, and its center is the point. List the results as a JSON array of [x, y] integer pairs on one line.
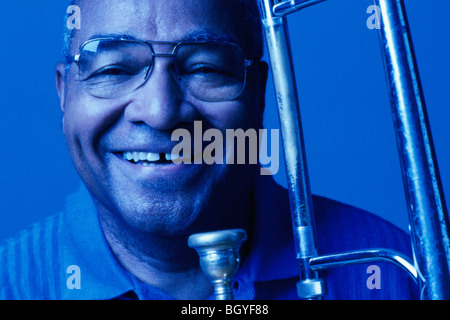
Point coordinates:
[[102, 277]]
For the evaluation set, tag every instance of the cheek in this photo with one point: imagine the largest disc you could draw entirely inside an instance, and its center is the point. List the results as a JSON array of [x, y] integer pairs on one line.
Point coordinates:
[[244, 112], [84, 121], [83, 127], [79, 140], [86, 117], [231, 114], [77, 122]]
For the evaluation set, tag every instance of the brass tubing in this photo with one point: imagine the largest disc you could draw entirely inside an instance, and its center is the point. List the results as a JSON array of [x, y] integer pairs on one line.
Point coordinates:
[[425, 201]]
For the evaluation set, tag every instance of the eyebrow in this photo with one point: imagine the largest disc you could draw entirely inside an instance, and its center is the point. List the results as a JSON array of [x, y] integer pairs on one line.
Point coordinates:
[[208, 36], [192, 36], [114, 36]]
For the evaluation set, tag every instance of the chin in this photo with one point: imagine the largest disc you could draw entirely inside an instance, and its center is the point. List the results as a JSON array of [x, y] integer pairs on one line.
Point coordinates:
[[165, 208], [168, 208], [162, 217]]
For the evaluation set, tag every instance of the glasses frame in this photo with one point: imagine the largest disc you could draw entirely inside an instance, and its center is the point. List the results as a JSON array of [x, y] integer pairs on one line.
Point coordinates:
[[176, 46]]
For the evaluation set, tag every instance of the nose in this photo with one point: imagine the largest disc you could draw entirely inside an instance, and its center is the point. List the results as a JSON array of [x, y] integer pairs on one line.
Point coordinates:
[[159, 103]]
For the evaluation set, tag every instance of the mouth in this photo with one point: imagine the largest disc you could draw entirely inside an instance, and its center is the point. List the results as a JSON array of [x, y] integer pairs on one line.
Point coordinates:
[[143, 166], [148, 159]]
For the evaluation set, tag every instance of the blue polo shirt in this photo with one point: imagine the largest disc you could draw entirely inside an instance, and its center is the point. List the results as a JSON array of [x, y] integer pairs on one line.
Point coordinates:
[[66, 255]]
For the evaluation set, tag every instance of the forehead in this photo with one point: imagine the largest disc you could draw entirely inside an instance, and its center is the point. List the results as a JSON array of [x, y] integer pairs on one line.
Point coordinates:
[[168, 20]]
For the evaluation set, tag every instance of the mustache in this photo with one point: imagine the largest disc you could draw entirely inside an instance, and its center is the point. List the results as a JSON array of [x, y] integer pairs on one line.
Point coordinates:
[[141, 136]]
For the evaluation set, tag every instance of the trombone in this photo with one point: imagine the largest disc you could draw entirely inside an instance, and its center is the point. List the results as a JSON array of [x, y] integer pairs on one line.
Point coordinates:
[[428, 217]]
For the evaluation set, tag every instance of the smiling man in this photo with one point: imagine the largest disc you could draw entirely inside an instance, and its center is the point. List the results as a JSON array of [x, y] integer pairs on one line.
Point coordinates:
[[141, 73], [134, 73]]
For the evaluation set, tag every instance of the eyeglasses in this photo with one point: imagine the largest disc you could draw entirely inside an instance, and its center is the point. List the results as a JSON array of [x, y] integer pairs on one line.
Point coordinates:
[[210, 71]]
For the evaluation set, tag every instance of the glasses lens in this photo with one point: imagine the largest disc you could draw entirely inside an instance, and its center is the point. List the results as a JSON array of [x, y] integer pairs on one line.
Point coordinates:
[[211, 71], [113, 68]]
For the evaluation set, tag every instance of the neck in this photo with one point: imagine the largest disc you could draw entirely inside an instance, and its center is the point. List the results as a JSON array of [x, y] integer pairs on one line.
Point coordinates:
[[164, 262], [149, 260]]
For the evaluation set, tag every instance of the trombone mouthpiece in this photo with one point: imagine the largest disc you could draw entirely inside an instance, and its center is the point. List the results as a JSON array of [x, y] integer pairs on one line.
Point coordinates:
[[219, 257]]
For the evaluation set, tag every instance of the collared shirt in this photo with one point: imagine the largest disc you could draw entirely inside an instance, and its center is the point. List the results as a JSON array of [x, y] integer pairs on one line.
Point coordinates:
[[66, 256]]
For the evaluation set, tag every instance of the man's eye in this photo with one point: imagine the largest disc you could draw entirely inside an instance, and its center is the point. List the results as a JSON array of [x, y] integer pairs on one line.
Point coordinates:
[[114, 71], [204, 69]]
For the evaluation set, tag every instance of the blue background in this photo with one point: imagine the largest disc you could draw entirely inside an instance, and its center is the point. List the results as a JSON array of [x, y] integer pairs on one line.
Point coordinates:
[[349, 135]]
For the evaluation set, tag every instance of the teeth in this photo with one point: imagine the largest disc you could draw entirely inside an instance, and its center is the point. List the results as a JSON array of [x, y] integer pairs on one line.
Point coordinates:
[[170, 156], [152, 156], [128, 155], [146, 164], [147, 156]]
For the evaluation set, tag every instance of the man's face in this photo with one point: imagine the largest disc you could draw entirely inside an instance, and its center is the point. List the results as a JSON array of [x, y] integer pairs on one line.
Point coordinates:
[[166, 199]]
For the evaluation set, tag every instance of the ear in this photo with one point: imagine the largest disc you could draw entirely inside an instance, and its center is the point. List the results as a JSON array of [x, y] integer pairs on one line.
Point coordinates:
[[61, 70], [60, 83], [262, 74]]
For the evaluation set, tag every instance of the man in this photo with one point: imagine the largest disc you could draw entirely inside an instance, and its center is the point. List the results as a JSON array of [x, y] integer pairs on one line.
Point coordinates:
[[136, 72]]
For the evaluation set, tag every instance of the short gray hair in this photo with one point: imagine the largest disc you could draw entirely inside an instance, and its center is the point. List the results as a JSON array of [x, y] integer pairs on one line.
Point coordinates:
[[68, 36], [250, 14]]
